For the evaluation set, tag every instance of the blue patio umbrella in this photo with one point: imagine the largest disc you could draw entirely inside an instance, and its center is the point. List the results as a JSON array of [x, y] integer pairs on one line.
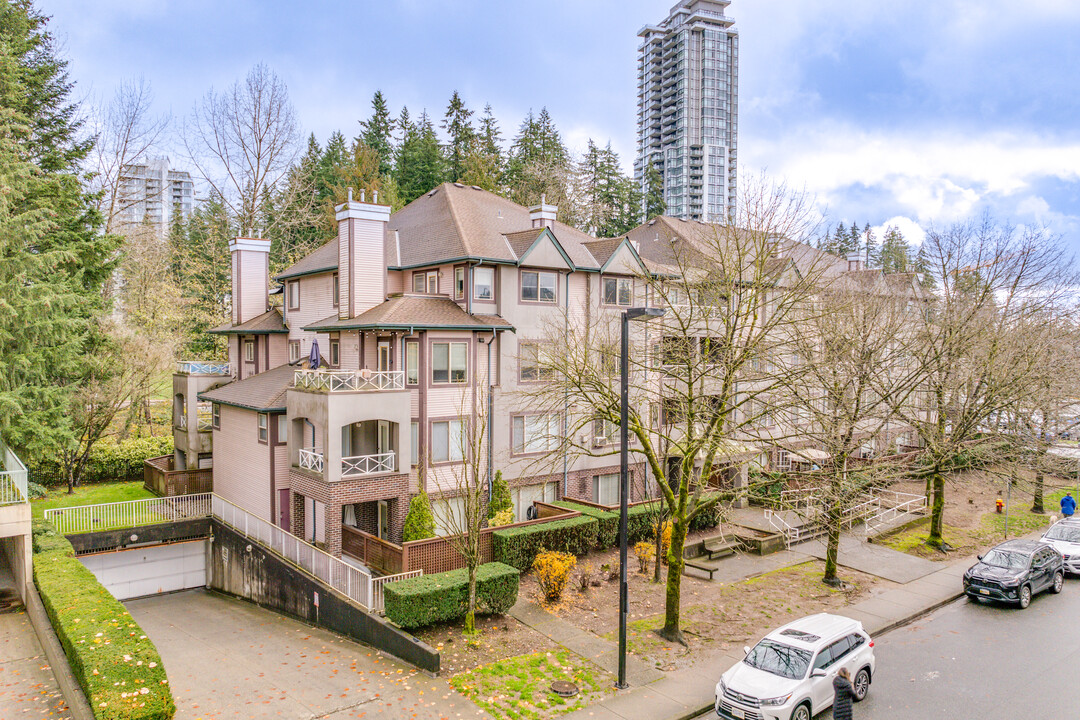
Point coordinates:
[[315, 360]]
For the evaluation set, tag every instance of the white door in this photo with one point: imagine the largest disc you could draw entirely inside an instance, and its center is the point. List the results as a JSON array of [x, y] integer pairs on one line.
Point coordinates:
[[384, 520], [384, 437], [384, 356]]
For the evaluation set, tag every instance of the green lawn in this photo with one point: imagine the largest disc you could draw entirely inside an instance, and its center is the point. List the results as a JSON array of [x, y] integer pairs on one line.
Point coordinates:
[[90, 495]]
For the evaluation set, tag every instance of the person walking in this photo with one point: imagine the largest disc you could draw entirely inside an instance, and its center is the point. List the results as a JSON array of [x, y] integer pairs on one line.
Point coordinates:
[[1068, 505], [841, 709]]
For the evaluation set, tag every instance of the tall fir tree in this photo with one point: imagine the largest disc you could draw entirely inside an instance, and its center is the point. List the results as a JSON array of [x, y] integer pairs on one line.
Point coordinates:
[[377, 133], [896, 254], [654, 193], [54, 259], [420, 164], [461, 137], [539, 167], [484, 164]]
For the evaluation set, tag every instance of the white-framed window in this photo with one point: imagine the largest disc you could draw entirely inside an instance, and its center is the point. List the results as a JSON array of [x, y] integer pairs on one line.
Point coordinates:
[[282, 429], [414, 440], [433, 282], [483, 283], [412, 363], [535, 433], [249, 350], [459, 283], [618, 291], [264, 427], [605, 432], [449, 362], [215, 416], [783, 460], [419, 282], [293, 288], [447, 441], [531, 364], [294, 350], [606, 489], [336, 289], [539, 286]]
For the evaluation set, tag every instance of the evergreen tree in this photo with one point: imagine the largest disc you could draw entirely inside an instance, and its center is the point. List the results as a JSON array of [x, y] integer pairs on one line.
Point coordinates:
[[500, 496], [419, 520], [54, 259], [462, 137], [539, 167], [420, 164], [484, 164], [610, 201], [201, 267], [336, 156], [871, 250], [654, 193], [923, 270], [896, 255], [377, 133]]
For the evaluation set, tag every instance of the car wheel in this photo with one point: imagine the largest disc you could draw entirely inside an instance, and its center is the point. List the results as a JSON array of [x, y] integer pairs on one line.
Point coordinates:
[[1025, 596], [801, 713], [861, 684], [1059, 581]]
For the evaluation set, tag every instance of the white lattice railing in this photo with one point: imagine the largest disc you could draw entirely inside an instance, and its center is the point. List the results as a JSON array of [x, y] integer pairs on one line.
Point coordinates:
[[133, 513], [203, 367], [349, 380], [12, 479], [311, 460], [367, 464]]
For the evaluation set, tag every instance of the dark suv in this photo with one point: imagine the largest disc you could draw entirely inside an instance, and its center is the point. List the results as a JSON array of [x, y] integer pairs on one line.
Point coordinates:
[[1014, 571]]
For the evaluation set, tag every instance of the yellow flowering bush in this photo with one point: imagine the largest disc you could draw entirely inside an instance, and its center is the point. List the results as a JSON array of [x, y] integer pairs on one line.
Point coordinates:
[[552, 570]]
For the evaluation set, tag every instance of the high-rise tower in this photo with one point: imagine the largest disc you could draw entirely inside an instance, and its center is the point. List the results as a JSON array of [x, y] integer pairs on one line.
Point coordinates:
[[688, 109]]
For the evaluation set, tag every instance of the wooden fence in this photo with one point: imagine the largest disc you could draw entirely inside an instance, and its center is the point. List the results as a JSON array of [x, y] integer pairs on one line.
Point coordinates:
[[432, 555], [160, 478]]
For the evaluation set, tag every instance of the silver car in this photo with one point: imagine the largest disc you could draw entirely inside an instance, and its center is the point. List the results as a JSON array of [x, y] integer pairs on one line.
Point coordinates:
[[1064, 536]]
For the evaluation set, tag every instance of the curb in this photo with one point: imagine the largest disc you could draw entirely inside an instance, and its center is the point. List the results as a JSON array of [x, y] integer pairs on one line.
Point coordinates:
[[65, 678]]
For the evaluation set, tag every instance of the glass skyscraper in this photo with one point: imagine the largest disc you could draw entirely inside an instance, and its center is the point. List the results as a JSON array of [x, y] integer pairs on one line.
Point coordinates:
[[688, 109]]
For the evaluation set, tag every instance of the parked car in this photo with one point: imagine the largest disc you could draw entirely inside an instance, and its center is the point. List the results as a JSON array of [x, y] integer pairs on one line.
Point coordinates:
[[789, 674], [1014, 571], [1064, 536]]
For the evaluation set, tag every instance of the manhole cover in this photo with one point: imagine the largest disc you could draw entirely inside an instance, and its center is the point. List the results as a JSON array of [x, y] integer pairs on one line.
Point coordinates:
[[564, 689]]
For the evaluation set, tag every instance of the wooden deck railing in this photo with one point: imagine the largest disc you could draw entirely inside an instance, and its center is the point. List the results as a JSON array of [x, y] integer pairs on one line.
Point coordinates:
[[160, 478]]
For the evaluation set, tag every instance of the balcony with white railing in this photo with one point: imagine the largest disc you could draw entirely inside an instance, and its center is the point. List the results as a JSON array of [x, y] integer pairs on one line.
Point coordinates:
[[203, 367], [367, 464], [348, 380], [13, 477], [311, 459]]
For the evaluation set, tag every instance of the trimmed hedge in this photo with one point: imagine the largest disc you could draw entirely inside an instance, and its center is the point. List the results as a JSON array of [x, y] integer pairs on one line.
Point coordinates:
[[607, 532], [117, 666], [444, 597], [109, 461], [638, 522], [518, 546]]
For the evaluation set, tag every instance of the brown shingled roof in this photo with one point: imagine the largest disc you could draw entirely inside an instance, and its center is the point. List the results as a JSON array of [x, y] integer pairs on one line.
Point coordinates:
[[604, 248], [322, 259], [263, 392], [420, 311], [520, 242], [266, 324]]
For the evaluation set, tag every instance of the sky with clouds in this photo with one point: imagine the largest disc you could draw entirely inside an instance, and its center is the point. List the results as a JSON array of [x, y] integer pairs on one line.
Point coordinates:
[[887, 112]]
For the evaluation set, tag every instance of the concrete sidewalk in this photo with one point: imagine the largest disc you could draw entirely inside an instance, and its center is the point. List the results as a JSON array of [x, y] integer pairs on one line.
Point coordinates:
[[684, 694]]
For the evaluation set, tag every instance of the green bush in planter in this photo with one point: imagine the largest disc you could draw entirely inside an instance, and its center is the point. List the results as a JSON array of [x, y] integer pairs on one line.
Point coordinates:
[[444, 597], [517, 546]]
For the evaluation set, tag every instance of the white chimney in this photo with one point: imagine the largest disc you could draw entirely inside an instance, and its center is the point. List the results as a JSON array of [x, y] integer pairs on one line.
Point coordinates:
[[543, 215], [361, 260], [250, 278], [855, 261]]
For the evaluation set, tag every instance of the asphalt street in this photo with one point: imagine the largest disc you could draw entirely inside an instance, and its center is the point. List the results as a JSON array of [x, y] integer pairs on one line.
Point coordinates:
[[972, 661]]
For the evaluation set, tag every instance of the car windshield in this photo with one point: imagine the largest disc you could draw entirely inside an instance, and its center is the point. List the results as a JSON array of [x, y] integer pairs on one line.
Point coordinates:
[[1068, 533], [778, 659], [1002, 559]]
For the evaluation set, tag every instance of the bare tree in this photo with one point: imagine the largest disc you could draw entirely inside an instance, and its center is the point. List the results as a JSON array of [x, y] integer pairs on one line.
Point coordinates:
[[127, 132], [995, 283], [243, 140], [730, 292]]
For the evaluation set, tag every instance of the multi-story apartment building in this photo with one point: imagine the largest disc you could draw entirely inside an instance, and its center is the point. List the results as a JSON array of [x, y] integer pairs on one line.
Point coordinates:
[[688, 109], [151, 192], [393, 341]]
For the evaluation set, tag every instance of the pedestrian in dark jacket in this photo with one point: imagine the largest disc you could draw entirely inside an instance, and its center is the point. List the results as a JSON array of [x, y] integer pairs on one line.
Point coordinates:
[[841, 709], [1068, 505]]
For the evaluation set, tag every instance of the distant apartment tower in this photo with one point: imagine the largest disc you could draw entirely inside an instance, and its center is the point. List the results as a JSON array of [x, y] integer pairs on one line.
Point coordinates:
[[151, 192], [688, 109]]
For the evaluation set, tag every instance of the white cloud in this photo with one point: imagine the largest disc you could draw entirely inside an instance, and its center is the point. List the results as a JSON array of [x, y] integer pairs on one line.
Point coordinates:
[[910, 229]]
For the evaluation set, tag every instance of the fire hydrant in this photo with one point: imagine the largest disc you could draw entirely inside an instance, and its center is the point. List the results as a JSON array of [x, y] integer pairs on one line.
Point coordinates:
[[999, 505]]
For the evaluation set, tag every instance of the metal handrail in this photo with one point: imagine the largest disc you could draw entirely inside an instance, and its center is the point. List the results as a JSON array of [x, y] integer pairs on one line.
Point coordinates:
[[367, 464], [130, 513], [349, 380]]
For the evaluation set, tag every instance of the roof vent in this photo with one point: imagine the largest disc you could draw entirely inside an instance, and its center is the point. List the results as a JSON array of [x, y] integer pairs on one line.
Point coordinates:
[[652, 222], [458, 185], [433, 192], [475, 187]]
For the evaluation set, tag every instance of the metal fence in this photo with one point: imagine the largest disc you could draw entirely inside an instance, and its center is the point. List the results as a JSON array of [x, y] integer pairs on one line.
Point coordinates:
[[12, 478], [133, 513]]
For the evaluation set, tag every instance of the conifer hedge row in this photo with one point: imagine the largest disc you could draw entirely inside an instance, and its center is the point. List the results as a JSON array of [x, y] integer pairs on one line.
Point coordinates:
[[443, 597]]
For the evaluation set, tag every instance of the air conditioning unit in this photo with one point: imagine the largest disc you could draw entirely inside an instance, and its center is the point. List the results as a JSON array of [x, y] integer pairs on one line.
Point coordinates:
[[599, 440]]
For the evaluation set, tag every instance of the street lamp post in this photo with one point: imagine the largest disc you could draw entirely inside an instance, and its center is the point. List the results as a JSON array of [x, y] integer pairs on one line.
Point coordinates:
[[642, 315]]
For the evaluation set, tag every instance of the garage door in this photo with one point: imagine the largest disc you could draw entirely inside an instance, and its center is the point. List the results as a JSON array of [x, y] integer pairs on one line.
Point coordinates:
[[150, 570]]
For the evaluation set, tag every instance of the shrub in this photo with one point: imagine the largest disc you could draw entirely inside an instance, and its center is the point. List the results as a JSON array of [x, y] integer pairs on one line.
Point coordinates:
[[638, 522], [665, 540], [108, 461], [419, 522], [552, 570], [518, 546], [503, 517], [443, 597], [500, 496], [116, 665], [584, 577], [35, 491], [644, 551]]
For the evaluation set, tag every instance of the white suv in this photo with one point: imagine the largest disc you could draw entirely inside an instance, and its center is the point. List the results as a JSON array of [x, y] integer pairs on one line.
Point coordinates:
[[789, 674], [1064, 536]]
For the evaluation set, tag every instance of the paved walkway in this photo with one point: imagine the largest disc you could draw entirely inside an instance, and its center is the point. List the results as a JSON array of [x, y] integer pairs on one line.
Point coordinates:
[[874, 559], [28, 688], [228, 658]]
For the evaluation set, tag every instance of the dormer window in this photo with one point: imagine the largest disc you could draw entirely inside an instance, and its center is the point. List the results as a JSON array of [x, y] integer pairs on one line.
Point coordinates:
[[426, 282]]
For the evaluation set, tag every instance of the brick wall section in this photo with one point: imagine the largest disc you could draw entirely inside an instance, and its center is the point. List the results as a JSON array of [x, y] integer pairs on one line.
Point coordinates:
[[334, 495]]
